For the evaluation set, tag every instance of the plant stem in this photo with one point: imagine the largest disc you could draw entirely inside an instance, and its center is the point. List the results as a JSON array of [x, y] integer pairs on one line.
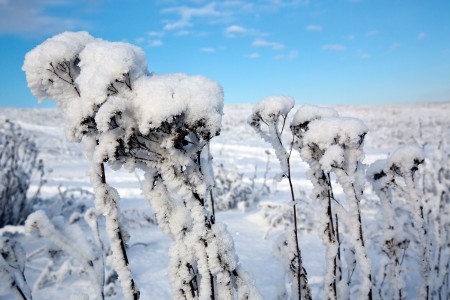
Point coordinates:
[[299, 257], [119, 236]]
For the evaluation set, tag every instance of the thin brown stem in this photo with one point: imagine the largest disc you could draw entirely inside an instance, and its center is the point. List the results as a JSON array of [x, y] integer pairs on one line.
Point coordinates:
[[299, 257]]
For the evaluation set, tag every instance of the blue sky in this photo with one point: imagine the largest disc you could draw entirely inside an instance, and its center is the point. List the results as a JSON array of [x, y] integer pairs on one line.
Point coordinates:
[[319, 52]]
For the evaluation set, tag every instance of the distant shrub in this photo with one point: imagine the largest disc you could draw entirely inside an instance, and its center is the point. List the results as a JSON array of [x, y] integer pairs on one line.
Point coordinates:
[[232, 190], [18, 162]]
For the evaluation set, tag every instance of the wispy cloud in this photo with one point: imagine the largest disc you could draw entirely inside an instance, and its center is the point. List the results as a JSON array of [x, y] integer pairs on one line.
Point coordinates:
[[155, 43], [253, 55], [363, 55], [293, 54], [333, 47], [155, 33], [265, 43], [290, 56], [371, 33], [394, 46], [182, 33], [208, 50], [33, 17], [186, 14], [276, 5], [314, 28], [235, 30], [244, 6], [421, 36]]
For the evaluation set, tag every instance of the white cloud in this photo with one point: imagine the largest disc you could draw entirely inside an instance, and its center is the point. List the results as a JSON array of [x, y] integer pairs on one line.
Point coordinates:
[[186, 15], [32, 17], [182, 33], [363, 55], [239, 5], [234, 30], [394, 46], [371, 32], [314, 28], [276, 5], [421, 36], [208, 50], [253, 55], [290, 56], [155, 33], [155, 43], [333, 47], [265, 43], [140, 40], [237, 31]]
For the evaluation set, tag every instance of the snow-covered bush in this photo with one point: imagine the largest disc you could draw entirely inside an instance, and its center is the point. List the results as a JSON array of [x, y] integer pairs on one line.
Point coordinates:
[[18, 162], [89, 255], [436, 188], [12, 268], [278, 214], [231, 190], [161, 124], [333, 146], [421, 195], [396, 231], [266, 119]]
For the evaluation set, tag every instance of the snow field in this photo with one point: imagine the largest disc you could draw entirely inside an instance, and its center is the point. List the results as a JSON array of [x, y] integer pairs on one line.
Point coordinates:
[[237, 147]]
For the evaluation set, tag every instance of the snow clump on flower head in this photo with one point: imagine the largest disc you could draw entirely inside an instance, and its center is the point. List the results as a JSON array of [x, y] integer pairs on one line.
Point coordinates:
[[406, 160], [104, 63], [270, 108], [57, 55], [307, 113], [195, 101], [337, 130]]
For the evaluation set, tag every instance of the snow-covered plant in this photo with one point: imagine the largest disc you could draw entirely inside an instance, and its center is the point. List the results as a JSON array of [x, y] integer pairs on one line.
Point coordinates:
[[333, 145], [398, 174], [436, 188], [267, 117], [54, 70], [231, 190], [278, 214], [403, 163], [64, 237], [161, 124], [395, 238], [18, 162], [12, 268]]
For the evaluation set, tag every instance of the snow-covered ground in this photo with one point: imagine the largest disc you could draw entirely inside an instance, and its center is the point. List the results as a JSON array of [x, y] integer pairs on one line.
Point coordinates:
[[237, 148]]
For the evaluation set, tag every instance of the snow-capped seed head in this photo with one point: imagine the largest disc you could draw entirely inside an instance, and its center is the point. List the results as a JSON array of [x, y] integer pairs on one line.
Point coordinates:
[[57, 55], [107, 67], [405, 160], [333, 157], [270, 109], [378, 174], [307, 113], [335, 130], [194, 102], [38, 222], [377, 170]]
